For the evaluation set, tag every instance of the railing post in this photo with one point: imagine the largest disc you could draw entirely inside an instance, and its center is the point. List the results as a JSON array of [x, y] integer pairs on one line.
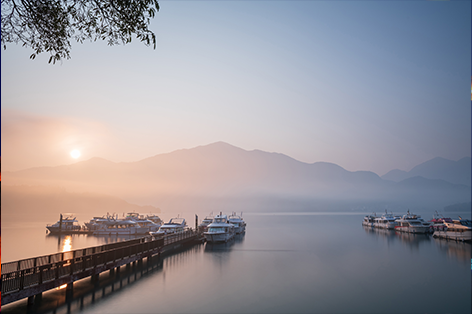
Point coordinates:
[[22, 279], [57, 270]]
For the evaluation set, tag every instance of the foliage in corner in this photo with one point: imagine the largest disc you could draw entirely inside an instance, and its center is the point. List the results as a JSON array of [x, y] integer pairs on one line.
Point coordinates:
[[49, 25]]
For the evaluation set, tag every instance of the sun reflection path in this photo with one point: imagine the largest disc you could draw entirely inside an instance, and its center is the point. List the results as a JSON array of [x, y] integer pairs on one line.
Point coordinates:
[[67, 244], [66, 247]]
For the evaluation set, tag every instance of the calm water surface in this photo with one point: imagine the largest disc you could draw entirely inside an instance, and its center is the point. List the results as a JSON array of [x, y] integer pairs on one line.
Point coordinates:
[[285, 263]]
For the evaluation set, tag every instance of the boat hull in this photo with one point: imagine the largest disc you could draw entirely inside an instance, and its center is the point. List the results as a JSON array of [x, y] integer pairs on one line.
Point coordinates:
[[389, 226], [117, 231], [218, 237], [53, 229], [413, 229], [465, 235]]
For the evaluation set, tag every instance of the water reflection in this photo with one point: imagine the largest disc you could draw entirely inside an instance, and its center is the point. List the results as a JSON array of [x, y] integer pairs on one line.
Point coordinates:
[[86, 294], [66, 247], [224, 247], [383, 233], [67, 244], [411, 239], [456, 249]]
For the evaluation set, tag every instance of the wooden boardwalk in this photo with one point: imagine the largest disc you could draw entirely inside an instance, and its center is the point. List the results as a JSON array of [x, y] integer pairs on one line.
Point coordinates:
[[29, 277]]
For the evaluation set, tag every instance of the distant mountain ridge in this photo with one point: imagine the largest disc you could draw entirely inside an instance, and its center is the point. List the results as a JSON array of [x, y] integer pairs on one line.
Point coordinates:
[[456, 172], [222, 170]]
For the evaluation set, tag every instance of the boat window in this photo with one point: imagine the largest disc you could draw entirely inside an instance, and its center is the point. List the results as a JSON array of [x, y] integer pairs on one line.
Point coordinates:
[[216, 229]]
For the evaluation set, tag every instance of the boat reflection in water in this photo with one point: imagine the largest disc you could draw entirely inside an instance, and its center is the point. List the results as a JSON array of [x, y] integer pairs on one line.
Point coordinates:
[[456, 249], [413, 240]]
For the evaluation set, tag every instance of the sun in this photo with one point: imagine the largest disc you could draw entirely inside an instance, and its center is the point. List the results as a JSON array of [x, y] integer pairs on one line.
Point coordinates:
[[75, 154]]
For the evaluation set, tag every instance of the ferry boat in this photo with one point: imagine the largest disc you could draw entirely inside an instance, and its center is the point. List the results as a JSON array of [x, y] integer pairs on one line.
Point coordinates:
[[144, 222], [65, 224], [438, 222], [203, 226], [412, 223], [96, 222], [155, 219], [220, 230], [238, 222], [175, 225], [120, 227], [386, 221], [369, 220], [459, 230]]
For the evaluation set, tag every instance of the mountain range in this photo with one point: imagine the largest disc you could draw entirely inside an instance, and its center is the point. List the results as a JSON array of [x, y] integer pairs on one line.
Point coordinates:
[[457, 172], [220, 170]]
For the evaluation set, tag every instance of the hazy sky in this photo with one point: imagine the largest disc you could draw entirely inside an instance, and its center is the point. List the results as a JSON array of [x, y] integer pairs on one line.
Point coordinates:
[[368, 85]]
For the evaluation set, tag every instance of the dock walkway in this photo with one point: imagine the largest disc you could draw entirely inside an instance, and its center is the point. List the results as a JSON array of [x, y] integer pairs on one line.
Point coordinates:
[[29, 277]]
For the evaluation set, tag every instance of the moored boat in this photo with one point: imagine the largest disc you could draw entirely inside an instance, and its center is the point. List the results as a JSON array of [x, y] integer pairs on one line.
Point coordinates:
[[96, 222], [238, 222], [120, 227], [66, 223], [155, 219], [203, 226], [175, 225], [459, 230], [220, 230], [144, 222], [412, 223], [386, 221], [438, 222], [369, 220]]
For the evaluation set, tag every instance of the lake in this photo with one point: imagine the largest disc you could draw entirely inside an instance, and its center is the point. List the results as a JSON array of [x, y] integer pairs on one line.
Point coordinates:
[[305, 262]]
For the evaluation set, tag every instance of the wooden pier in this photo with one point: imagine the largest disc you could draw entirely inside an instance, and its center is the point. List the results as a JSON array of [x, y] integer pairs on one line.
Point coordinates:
[[31, 277]]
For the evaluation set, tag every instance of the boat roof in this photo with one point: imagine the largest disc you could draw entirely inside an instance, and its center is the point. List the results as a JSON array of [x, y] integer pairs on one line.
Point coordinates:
[[123, 222], [68, 219], [167, 226], [176, 221]]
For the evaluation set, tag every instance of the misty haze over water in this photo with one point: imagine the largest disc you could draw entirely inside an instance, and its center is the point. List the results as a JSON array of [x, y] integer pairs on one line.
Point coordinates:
[[305, 250], [298, 262]]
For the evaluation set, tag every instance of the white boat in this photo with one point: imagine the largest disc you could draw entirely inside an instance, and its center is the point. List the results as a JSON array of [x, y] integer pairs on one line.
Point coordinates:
[[155, 219], [369, 220], [175, 225], [438, 222], [203, 226], [64, 224], [413, 224], [459, 230], [120, 227], [144, 222], [238, 222], [220, 230], [96, 222], [386, 221]]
